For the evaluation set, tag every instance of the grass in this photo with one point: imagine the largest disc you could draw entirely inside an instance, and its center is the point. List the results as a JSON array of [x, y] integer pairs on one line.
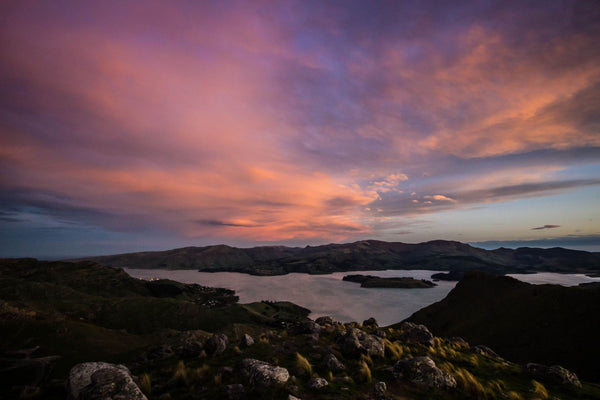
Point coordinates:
[[303, 367]]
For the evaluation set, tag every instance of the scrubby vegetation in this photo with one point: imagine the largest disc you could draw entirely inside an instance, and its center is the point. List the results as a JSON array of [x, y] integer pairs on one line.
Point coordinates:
[[178, 355]]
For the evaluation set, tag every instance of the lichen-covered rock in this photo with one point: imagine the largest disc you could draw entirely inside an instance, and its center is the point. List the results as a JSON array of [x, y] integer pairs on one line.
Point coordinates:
[[370, 322], [189, 349], [423, 371], [235, 391], [326, 320], [216, 344], [485, 351], [160, 352], [305, 327], [416, 334], [332, 363], [355, 342], [99, 381], [380, 388], [318, 383], [261, 373], [247, 340], [554, 374]]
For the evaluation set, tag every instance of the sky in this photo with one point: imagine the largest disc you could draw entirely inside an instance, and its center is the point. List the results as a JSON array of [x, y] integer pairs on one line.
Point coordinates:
[[148, 125]]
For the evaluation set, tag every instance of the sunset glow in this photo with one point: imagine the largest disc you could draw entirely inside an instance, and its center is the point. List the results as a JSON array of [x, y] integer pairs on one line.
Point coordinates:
[[129, 126]]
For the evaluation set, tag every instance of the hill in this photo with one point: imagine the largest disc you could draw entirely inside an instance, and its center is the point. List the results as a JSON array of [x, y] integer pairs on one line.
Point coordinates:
[[550, 324], [360, 256], [189, 341]]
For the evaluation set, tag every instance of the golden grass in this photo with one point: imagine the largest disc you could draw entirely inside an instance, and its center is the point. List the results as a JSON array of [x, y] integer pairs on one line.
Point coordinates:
[[364, 373], [302, 365], [539, 391], [468, 383], [146, 384]]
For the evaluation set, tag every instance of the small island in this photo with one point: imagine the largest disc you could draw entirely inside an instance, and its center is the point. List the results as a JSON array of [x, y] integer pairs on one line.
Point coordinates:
[[370, 281]]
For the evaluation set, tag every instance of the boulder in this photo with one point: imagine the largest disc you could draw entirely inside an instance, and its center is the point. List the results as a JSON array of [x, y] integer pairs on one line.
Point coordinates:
[[416, 334], [318, 383], [305, 327], [247, 340], [216, 344], [380, 388], [326, 320], [554, 374], [370, 322], [99, 380], [458, 342], [485, 351], [189, 349], [235, 391], [261, 373], [332, 363], [159, 352], [355, 342], [422, 371]]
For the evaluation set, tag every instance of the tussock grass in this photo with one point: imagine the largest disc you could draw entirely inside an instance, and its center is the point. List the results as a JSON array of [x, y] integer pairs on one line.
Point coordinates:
[[512, 395], [366, 359], [145, 384], [303, 367], [469, 384], [539, 391], [393, 350], [180, 373], [364, 373]]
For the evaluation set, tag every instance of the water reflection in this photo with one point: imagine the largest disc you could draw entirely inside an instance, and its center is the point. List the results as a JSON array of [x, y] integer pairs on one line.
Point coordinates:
[[329, 295], [322, 294]]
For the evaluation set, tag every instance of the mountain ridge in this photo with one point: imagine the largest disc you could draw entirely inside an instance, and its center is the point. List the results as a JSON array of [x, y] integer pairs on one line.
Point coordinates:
[[359, 256]]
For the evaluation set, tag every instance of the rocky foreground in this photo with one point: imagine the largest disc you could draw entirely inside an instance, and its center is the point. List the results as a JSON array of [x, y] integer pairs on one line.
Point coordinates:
[[83, 331]]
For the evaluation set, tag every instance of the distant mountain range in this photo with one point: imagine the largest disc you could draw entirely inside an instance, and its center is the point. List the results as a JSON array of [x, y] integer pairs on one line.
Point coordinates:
[[360, 256]]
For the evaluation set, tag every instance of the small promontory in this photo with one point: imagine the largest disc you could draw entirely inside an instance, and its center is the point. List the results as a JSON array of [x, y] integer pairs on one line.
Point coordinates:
[[370, 281]]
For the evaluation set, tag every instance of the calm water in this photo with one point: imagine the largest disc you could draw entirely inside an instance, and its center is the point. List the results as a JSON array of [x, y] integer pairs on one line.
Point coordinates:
[[329, 295]]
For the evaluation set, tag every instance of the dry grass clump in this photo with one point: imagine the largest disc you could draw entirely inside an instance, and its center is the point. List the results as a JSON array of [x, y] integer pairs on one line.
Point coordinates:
[[393, 350], [364, 373], [539, 391], [145, 384], [469, 384], [302, 365]]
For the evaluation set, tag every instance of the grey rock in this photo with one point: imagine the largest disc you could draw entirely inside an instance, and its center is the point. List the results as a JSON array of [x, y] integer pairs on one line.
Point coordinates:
[[326, 320], [485, 351], [189, 349], [380, 388], [332, 363], [160, 352], [371, 322], [318, 383], [216, 344], [354, 342], [247, 340], [305, 327], [290, 397], [416, 334], [457, 341], [261, 373], [380, 333], [422, 371], [554, 374], [99, 381], [235, 391]]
